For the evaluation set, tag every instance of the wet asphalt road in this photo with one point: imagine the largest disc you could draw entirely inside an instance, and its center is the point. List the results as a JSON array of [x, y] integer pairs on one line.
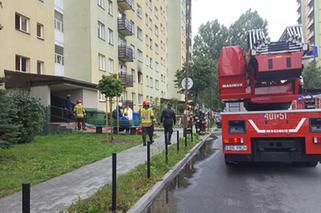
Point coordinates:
[[209, 186]]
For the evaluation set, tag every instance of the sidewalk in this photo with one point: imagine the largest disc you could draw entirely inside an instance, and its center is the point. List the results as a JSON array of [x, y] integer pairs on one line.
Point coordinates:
[[59, 193]]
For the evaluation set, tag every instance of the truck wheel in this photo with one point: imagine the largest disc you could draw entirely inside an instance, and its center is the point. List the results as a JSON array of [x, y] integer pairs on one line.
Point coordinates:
[[230, 164], [311, 164]]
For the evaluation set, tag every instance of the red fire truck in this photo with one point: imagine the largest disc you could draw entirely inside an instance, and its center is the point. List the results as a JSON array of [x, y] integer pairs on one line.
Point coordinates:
[[266, 80]]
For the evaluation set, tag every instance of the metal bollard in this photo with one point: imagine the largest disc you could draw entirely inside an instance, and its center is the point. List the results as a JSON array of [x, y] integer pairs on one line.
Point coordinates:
[[148, 160], [192, 134], [177, 144], [26, 198], [114, 183], [185, 138]]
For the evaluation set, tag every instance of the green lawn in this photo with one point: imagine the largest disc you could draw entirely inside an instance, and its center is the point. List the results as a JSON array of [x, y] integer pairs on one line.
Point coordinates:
[[50, 156], [132, 186]]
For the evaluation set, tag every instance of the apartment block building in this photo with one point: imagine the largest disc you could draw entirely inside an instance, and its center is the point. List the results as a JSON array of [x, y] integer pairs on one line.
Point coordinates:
[[141, 41], [309, 17]]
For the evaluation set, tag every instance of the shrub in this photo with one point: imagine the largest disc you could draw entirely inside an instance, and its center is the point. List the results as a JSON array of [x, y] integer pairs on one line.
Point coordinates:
[[30, 115], [9, 133]]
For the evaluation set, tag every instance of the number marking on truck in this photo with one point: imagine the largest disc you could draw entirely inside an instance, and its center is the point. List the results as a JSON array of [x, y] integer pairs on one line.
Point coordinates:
[[275, 116]]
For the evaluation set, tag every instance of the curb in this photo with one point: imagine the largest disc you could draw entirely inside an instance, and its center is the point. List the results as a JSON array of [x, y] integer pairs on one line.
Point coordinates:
[[149, 196]]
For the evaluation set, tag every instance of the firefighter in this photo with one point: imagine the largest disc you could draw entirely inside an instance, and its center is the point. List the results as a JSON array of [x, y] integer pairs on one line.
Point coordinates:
[[147, 122], [168, 119], [80, 115]]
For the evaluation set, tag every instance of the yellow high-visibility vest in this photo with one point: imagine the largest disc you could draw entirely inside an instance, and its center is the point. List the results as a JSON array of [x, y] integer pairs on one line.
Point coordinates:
[[79, 110], [146, 116]]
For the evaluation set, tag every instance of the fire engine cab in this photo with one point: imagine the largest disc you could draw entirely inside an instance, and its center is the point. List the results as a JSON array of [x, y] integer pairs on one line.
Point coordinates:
[[265, 80]]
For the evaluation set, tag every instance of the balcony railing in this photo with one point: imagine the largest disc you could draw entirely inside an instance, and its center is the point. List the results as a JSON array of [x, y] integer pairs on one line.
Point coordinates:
[[125, 4], [125, 54], [125, 27], [126, 79]]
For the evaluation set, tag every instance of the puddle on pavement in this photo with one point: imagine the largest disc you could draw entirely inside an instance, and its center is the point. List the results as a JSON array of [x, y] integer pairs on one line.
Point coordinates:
[[165, 201]]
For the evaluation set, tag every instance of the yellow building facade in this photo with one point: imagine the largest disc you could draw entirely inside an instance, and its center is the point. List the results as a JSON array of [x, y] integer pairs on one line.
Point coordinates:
[[27, 36], [81, 40]]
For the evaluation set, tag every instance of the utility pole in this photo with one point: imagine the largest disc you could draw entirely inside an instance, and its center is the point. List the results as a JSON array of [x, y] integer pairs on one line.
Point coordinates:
[[188, 44]]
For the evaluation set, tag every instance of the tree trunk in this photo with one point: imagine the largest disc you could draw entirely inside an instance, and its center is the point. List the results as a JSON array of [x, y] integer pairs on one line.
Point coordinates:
[[111, 118]]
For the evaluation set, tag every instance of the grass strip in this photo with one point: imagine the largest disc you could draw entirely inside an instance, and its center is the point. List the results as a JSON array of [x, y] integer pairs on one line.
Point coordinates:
[[49, 156], [132, 186]]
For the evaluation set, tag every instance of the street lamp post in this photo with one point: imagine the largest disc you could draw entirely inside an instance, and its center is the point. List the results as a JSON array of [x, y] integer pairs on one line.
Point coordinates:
[[188, 43]]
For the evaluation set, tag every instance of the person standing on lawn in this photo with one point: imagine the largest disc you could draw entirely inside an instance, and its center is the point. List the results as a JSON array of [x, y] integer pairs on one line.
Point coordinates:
[[168, 119], [128, 113], [147, 122], [80, 115]]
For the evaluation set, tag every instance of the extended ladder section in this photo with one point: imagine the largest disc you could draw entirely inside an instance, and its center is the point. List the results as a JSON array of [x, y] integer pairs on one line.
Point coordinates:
[[292, 40]]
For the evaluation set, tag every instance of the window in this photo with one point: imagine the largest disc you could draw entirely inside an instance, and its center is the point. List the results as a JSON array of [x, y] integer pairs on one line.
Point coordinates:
[[151, 43], [40, 31], [22, 23], [146, 20], [140, 77], [151, 83], [133, 27], [101, 3], [156, 66], [110, 36], [150, 63], [110, 7], [101, 96], [139, 34], [140, 99], [59, 59], [139, 55], [157, 84], [156, 49], [133, 74], [139, 11], [101, 62], [59, 22], [111, 65], [101, 30], [22, 63], [156, 30], [40, 67], [134, 49], [147, 81], [134, 97], [146, 40]]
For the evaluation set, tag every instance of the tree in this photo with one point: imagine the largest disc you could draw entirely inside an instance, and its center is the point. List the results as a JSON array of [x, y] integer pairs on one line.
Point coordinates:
[[201, 72], [209, 41], [312, 76], [247, 21], [111, 87]]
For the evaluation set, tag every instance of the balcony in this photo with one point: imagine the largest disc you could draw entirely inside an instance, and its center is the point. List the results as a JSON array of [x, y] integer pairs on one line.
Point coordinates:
[[125, 54], [124, 27], [311, 36], [125, 4], [126, 79]]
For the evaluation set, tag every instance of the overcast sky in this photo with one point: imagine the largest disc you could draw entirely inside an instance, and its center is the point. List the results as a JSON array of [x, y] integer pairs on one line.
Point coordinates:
[[278, 13]]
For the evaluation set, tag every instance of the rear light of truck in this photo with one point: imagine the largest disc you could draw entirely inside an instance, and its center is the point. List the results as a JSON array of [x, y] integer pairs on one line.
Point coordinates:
[[315, 125], [233, 140], [316, 140], [236, 127]]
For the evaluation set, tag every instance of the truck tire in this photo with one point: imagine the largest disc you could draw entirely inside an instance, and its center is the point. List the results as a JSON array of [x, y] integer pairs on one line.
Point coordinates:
[[311, 164], [230, 164]]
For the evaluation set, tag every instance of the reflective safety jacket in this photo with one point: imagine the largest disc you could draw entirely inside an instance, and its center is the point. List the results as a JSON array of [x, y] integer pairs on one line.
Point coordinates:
[[147, 117], [79, 111]]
